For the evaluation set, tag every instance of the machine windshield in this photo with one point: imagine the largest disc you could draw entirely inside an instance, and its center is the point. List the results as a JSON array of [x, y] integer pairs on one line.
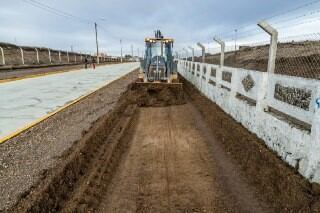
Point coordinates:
[[156, 49], [160, 49]]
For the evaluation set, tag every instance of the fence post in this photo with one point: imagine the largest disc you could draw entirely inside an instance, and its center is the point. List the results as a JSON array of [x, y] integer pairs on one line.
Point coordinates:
[[192, 50], [22, 57], [75, 57], [262, 104], [314, 165], [203, 52], [187, 53], [177, 55], [37, 55], [49, 55], [80, 57], [60, 56], [273, 44], [68, 56], [2, 54], [223, 46]]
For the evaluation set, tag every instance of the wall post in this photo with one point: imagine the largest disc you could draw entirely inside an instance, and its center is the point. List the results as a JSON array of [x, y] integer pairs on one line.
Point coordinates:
[[2, 56], [273, 44], [187, 53], [192, 50], [203, 50], [177, 55], [49, 55], [314, 160], [22, 57], [37, 55], [60, 56], [223, 46]]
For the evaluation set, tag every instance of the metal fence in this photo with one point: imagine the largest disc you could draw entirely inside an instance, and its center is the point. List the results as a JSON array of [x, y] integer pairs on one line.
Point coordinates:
[[13, 55], [299, 56], [296, 45]]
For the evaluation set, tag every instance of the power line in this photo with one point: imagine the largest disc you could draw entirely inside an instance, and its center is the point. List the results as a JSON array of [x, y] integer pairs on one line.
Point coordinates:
[[65, 14], [292, 10], [57, 11], [46, 9], [247, 33], [305, 15], [280, 14]]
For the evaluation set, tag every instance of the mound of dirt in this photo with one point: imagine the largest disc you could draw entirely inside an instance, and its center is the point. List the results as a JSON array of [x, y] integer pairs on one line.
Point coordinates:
[[158, 94]]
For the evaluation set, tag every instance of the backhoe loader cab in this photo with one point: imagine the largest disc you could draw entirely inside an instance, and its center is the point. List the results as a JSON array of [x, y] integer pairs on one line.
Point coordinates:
[[158, 64]]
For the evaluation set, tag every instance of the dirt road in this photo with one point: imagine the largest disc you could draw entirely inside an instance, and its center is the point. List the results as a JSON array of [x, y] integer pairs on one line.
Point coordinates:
[[169, 167], [189, 157]]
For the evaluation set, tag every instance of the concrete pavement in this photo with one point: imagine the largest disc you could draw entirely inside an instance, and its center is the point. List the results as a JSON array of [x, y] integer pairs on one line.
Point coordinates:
[[27, 100]]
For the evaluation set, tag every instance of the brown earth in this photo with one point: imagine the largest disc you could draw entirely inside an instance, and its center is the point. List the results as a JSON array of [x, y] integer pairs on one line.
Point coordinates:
[[158, 94], [279, 185], [169, 167], [189, 157]]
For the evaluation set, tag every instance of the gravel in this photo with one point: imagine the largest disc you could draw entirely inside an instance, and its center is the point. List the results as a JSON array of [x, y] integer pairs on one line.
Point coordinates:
[[26, 157]]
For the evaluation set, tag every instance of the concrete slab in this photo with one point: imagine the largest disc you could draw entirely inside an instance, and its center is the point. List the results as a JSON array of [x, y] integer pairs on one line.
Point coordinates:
[[23, 102]]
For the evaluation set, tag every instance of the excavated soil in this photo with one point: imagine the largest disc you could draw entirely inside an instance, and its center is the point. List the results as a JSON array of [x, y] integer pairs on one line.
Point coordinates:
[[158, 94], [182, 156]]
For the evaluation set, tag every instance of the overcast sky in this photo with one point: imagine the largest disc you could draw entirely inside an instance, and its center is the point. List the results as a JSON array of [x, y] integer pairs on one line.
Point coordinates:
[[187, 21]]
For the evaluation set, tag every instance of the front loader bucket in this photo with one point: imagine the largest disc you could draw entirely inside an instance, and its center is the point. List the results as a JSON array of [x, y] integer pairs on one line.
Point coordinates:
[[159, 94]]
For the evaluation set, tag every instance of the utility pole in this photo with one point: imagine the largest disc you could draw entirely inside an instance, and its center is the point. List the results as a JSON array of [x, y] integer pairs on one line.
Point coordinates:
[[121, 49], [132, 51], [71, 48], [95, 27], [235, 39], [235, 44]]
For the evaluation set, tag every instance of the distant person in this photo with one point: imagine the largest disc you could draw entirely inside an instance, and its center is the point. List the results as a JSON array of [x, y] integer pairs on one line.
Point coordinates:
[[93, 63], [85, 62]]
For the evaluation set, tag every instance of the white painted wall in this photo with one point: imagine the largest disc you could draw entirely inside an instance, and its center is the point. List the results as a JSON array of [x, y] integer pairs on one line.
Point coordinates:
[[299, 148]]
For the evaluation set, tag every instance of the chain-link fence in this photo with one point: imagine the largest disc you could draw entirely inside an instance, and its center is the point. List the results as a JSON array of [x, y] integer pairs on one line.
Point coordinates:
[[299, 56], [298, 47], [296, 56]]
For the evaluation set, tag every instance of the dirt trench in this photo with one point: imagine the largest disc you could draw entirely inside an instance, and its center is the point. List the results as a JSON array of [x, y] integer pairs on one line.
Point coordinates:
[[164, 156]]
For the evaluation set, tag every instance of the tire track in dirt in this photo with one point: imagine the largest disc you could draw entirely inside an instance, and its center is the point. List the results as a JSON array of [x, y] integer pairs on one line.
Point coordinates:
[[274, 182], [169, 168], [155, 159]]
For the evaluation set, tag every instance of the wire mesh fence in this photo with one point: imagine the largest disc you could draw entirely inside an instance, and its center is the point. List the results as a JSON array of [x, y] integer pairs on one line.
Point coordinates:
[[248, 46], [299, 56], [249, 56], [296, 56], [13, 55]]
